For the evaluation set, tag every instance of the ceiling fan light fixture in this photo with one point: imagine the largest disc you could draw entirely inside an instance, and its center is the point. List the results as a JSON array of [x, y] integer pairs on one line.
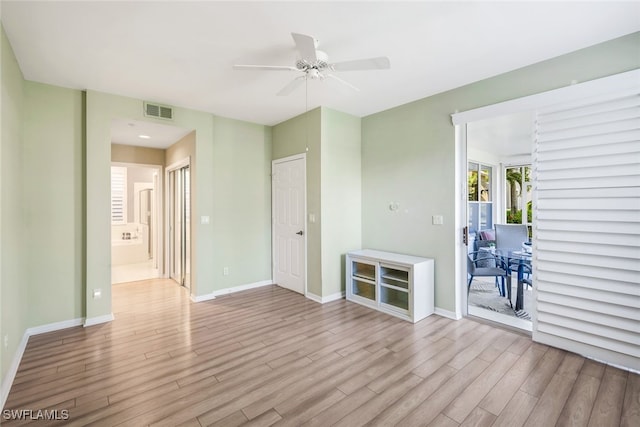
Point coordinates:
[[313, 73]]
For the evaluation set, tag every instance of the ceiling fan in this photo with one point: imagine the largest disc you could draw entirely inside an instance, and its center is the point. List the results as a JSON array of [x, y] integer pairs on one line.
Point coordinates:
[[314, 64]]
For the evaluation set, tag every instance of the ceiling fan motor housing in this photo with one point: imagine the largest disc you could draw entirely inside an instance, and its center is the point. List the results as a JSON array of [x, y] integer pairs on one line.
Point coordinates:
[[319, 65]]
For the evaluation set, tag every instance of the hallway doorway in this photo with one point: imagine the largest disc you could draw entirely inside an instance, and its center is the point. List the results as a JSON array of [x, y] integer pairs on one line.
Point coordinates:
[[136, 199]]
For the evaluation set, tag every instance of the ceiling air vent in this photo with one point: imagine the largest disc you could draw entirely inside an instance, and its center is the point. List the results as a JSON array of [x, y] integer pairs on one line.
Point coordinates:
[[157, 110]]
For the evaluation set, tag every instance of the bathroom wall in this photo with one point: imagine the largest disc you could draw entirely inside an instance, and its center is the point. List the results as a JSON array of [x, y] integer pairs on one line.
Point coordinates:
[[136, 174], [132, 154]]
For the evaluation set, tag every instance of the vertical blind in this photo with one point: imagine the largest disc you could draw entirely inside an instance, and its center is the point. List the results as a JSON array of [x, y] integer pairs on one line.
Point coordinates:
[[586, 165], [118, 195]]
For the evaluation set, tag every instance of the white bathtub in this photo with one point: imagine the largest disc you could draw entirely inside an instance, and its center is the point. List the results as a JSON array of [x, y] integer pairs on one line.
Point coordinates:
[[129, 251]]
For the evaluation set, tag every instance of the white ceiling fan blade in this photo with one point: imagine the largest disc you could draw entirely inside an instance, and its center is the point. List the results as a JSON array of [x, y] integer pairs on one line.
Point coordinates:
[[265, 67], [306, 46], [331, 76], [380, 63], [293, 85]]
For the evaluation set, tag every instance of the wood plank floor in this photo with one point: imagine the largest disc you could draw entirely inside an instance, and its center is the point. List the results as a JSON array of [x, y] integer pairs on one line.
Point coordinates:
[[269, 356]]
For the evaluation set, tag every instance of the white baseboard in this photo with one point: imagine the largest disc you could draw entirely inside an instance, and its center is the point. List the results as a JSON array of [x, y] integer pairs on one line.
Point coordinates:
[[324, 300], [17, 357], [214, 294], [200, 298], [43, 329], [98, 320], [446, 313], [13, 369]]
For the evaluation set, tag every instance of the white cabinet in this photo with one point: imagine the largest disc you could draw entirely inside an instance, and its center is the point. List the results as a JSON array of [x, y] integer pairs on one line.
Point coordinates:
[[400, 285]]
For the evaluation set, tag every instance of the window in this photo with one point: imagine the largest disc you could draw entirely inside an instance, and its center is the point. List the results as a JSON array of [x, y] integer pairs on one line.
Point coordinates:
[[480, 195], [118, 195], [518, 201]]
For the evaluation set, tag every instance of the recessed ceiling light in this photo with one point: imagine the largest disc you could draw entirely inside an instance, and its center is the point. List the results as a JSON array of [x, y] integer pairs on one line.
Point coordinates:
[[144, 136]]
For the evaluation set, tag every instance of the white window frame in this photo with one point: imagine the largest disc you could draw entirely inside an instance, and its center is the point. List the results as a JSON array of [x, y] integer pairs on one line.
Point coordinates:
[[119, 194], [492, 192], [521, 199]]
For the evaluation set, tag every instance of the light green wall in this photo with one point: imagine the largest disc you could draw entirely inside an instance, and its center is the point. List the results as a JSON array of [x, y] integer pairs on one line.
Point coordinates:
[[52, 185], [13, 226], [340, 194], [301, 134], [242, 205], [408, 154]]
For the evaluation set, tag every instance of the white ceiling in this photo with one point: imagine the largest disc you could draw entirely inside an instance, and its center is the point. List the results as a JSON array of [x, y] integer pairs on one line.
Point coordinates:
[[154, 135], [504, 136], [181, 53]]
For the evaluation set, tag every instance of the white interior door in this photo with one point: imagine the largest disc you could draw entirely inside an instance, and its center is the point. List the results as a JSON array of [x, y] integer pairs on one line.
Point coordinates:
[[289, 202]]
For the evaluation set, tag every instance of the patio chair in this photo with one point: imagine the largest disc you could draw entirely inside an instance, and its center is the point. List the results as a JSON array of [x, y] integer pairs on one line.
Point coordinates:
[[484, 264], [526, 276], [511, 236]]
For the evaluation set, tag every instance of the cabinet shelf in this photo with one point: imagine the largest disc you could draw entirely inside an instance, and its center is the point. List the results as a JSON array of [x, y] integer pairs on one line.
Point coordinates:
[[395, 288], [396, 276], [400, 285], [363, 277]]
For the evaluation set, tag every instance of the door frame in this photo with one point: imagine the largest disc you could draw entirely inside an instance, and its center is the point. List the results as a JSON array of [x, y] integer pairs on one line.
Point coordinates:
[[579, 91], [301, 156], [186, 162]]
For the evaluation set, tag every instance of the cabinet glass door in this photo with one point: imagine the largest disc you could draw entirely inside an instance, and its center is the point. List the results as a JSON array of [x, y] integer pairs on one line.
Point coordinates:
[[363, 280], [394, 276], [394, 286], [394, 297], [364, 289]]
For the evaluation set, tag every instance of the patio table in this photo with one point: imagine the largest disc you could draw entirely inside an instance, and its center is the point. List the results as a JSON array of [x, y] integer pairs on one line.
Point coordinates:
[[523, 258]]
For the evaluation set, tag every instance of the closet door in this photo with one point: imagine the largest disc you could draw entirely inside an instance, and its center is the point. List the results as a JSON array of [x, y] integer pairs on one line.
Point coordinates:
[[587, 226], [180, 226]]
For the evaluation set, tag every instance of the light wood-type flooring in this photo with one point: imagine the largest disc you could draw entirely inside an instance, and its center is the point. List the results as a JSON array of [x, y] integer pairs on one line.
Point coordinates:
[[268, 356]]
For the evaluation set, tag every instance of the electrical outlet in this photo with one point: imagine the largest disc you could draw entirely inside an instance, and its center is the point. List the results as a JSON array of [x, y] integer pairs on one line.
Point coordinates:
[[97, 293], [225, 271], [437, 220]]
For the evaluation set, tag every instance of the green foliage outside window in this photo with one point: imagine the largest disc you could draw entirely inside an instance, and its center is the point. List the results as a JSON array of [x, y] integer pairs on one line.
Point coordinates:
[[515, 216]]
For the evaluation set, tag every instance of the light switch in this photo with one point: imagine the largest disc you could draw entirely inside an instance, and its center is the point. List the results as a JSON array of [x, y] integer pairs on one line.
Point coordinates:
[[312, 218], [204, 219], [437, 220]]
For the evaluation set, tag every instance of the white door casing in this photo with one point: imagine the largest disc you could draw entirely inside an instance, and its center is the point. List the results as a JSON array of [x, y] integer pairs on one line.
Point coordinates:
[[288, 217]]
